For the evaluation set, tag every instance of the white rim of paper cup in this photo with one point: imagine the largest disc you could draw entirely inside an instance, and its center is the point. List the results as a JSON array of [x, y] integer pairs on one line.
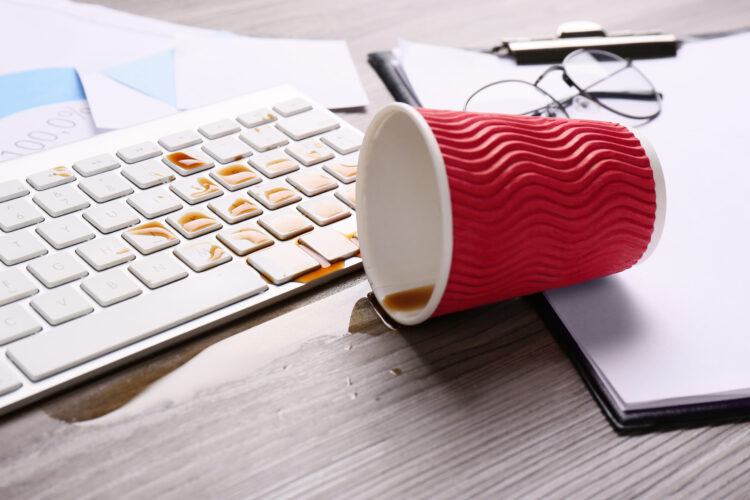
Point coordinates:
[[370, 201], [660, 188]]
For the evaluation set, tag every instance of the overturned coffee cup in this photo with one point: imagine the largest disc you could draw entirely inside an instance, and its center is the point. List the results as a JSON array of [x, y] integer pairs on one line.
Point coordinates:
[[460, 209]]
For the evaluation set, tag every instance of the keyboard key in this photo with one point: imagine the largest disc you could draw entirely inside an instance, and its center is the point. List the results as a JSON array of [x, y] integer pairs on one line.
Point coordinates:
[[273, 195], [256, 117], [292, 106], [234, 209], [193, 223], [41, 356], [282, 263], [202, 254], [264, 138], [148, 174], [20, 247], [324, 210], [139, 152], [310, 152], [312, 181], [110, 287], [188, 162], [348, 194], [245, 239], [57, 269], [274, 163], [150, 237], [61, 201], [105, 252], [227, 149], [96, 165], [343, 140], [53, 177], [154, 202], [61, 305], [105, 187], [14, 285], [65, 231], [343, 168], [308, 124], [236, 176], [330, 244], [219, 128], [285, 224], [111, 216], [15, 323], [10, 190], [159, 270], [16, 214], [196, 189], [8, 381], [180, 140]]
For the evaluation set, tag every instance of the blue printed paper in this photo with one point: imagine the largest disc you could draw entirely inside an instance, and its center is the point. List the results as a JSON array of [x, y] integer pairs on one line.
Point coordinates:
[[152, 75]]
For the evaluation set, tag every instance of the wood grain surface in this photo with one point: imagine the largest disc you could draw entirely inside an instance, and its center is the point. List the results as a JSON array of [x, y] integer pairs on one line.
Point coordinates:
[[481, 403]]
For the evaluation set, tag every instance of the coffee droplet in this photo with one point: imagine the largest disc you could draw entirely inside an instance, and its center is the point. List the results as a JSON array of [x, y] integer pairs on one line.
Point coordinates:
[[279, 164], [236, 174], [193, 221], [279, 194], [251, 235], [409, 300], [185, 161], [240, 207]]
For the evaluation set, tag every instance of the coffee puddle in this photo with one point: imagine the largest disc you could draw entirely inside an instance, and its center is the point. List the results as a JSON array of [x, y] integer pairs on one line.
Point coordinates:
[[208, 364]]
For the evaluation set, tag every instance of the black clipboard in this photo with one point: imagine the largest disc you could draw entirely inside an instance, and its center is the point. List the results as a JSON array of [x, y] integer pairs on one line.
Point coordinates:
[[678, 416]]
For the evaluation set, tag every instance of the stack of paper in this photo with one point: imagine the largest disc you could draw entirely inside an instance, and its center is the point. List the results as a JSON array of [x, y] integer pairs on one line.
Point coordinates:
[[133, 69]]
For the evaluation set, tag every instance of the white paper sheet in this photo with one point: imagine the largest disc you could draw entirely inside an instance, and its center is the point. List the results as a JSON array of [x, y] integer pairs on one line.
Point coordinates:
[[221, 67], [674, 329], [89, 38]]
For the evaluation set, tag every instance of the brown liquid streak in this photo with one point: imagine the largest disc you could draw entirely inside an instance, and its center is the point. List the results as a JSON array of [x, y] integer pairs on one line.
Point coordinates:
[[185, 160]]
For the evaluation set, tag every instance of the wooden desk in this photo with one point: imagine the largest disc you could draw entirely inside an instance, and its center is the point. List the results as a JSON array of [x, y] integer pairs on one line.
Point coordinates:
[[477, 403]]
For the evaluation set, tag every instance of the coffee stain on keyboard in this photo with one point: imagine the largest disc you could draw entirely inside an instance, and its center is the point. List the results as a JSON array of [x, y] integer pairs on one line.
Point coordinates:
[[184, 160], [195, 221], [346, 170], [203, 187], [61, 171], [313, 181], [225, 355], [241, 206], [155, 229], [321, 272], [279, 164], [215, 253], [326, 209], [254, 236], [236, 174], [279, 194]]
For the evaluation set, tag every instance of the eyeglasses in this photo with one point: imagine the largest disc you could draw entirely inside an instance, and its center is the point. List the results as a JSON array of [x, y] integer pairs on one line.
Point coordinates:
[[598, 76]]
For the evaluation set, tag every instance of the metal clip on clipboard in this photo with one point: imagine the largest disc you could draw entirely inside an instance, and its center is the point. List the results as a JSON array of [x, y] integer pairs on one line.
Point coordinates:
[[587, 35]]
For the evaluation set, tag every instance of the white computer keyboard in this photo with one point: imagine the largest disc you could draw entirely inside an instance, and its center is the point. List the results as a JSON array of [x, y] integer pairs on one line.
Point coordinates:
[[120, 244]]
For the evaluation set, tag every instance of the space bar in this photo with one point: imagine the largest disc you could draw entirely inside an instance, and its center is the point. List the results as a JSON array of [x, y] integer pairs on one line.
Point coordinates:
[[114, 327]]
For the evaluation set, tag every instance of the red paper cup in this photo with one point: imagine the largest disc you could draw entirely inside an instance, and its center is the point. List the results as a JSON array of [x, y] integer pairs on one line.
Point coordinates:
[[457, 209]]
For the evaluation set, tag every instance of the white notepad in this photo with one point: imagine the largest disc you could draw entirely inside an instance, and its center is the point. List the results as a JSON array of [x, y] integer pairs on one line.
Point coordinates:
[[676, 329]]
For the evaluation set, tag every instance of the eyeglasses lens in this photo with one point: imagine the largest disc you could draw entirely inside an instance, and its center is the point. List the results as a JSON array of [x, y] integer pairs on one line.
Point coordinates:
[[613, 82], [515, 97]]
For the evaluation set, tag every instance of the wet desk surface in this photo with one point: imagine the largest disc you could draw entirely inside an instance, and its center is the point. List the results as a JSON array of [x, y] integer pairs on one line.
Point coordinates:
[[319, 398]]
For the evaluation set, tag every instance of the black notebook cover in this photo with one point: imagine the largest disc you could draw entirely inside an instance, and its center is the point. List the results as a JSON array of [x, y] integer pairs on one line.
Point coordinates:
[[672, 416]]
